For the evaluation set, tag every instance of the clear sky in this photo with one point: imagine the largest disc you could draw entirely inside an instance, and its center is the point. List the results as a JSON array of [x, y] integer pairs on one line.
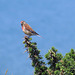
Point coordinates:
[[53, 20]]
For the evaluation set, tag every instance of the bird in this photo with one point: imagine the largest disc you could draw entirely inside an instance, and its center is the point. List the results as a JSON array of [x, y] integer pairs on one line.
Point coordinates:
[[27, 29]]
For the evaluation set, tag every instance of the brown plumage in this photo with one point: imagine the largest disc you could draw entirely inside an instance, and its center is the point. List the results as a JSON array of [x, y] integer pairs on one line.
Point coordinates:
[[27, 29]]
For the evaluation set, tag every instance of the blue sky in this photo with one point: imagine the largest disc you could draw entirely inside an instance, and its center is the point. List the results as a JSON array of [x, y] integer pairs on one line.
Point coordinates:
[[53, 20]]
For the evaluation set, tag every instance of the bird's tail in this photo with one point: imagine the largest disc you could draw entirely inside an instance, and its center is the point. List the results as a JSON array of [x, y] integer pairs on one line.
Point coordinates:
[[40, 36]]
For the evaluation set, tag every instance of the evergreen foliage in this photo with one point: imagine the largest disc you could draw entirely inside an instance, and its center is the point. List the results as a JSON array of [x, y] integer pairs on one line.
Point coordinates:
[[58, 65]]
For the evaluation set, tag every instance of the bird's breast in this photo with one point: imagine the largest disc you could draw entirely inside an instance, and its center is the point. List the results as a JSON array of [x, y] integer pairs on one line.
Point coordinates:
[[26, 31], [22, 27]]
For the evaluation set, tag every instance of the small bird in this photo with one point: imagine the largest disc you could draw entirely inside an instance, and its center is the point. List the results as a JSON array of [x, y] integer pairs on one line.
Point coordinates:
[[27, 29]]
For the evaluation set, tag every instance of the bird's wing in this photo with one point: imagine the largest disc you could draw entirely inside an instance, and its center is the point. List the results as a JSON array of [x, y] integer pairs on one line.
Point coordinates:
[[30, 29]]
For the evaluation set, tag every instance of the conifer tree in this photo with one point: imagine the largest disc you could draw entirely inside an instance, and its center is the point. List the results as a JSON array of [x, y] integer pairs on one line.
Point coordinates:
[[57, 64]]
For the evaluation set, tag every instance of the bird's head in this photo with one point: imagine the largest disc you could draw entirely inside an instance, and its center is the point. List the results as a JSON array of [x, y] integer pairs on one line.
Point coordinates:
[[22, 22]]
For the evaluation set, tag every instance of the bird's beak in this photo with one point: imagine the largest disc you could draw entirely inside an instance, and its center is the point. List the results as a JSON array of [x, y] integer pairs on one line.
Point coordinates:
[[21, 24]]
